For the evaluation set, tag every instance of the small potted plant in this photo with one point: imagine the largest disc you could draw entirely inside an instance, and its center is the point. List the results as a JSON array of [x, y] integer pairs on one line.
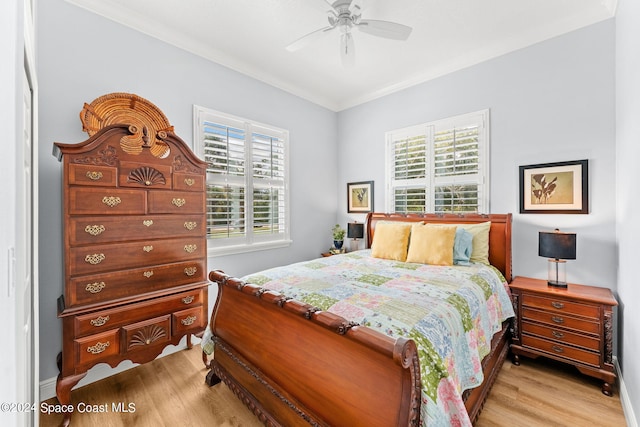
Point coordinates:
[[338, 236]]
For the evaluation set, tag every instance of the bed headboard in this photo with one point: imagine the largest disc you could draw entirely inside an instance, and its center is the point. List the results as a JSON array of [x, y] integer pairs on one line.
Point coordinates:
[[499, 234]]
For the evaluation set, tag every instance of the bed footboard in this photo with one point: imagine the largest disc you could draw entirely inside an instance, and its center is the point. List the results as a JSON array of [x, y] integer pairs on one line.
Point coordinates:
[[294, 365]]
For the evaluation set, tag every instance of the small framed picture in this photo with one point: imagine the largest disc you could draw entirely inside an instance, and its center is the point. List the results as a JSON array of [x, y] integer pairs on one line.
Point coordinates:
[[360, 197], [555, 188]]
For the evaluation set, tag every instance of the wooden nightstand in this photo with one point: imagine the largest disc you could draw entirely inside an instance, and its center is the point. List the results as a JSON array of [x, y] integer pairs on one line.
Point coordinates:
[[573, 325]]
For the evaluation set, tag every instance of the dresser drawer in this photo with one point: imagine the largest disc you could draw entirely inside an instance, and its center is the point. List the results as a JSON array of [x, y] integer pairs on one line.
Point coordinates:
[[142, 175], [118, 256], [88, 201], [94, 348], [104, 229], [561, 320], [561, 336], [561, 350], [98, 321], [141, 335], [188, 320], [129, 283], [561, 305], [188, 182], [176, 202], [103, 176]]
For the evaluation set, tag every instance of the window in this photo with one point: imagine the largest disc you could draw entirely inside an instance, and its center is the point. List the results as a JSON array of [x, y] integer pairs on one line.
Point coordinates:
[[247, 182], [440, 167]]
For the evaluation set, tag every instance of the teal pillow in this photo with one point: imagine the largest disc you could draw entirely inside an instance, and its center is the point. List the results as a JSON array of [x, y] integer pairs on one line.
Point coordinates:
[[462, 247]]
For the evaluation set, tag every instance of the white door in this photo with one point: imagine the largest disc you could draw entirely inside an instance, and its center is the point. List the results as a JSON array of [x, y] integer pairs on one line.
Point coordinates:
[[24, 262]]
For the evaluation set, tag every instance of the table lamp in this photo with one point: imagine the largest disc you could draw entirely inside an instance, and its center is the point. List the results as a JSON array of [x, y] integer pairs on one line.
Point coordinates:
[[558, 247], [355, 231]]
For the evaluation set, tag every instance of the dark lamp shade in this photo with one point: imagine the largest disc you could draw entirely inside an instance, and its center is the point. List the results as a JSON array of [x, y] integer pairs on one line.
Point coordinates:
[[557, 245], [355, 230]]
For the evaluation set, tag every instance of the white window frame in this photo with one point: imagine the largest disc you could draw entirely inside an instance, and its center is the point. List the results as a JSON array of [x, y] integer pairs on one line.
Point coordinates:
[[429, 181], [251, 241]]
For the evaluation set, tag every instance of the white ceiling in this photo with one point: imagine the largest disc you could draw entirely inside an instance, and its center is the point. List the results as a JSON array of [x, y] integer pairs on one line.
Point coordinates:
[[250, 36]]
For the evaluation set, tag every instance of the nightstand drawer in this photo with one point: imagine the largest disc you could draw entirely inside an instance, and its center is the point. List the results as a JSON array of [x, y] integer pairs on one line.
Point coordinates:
[[561, 336], [561, 350], [558, 319], [561, 305]]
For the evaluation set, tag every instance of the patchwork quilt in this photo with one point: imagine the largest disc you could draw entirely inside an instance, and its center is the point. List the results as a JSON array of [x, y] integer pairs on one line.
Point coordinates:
[[450, 312]]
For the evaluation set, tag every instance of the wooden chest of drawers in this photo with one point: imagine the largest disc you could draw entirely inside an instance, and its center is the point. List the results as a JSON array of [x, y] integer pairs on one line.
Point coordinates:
[[572, 325], [135, 245]]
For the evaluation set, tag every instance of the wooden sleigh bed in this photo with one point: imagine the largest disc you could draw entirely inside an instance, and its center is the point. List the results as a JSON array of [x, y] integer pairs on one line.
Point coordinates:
[[267, 344]]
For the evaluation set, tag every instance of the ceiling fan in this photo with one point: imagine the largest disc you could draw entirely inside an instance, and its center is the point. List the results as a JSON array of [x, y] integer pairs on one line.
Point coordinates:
[[345, 15]]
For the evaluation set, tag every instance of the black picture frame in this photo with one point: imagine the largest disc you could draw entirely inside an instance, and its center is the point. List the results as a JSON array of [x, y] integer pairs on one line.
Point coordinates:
[[360, 197], [555, 188]]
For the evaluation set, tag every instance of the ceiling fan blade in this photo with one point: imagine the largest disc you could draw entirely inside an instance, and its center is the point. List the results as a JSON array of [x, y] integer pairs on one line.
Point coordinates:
[[347, 52], [309, 38], [386, 29], [355, 7]]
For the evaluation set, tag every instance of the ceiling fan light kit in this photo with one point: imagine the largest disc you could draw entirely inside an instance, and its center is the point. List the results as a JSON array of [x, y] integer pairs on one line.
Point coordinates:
[[345, 15]]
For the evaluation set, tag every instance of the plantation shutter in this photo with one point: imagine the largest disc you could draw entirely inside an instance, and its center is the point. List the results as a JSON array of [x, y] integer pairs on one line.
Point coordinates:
[[440, 166], [247, 182], [410, 170], [457, 166], [268, 168], [224, 152]]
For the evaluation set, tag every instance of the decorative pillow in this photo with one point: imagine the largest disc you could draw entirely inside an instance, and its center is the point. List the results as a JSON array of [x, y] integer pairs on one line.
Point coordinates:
[[462, 247], [432, 244], [480, 232], [390, 241]]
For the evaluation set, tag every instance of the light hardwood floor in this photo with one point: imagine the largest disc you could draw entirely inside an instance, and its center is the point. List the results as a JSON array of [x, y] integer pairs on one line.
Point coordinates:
[[171, 392]]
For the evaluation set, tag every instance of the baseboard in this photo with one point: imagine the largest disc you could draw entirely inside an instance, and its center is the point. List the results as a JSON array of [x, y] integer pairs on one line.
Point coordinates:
[[629, 415], [102, 371]]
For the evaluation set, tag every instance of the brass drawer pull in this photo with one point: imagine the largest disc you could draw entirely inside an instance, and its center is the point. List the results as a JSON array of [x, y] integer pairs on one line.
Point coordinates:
[[148, 274], [557, 334], [190, 225], [94, 230], [190, 271], [190, 248], [147, 222], [557, 319], [187, 300], [188, 321], [95, 288], [94, 259], [557, 349], [98, 348], [111, 201], [189, 181], [99, 321], [556, 304], [178, 202], [94, 175], [147, 248]]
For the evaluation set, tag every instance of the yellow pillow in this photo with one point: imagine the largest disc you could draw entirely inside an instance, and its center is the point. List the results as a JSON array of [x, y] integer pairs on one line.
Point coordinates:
[[390, 241], [432, 244], [480, 232]]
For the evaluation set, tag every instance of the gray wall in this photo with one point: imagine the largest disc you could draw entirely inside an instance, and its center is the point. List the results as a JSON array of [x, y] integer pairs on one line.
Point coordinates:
[[553, 101], [82, 56], [628, 203]]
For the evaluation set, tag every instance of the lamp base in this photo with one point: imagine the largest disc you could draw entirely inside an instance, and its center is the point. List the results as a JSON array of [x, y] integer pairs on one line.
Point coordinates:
[[555, 284], [557, 273]]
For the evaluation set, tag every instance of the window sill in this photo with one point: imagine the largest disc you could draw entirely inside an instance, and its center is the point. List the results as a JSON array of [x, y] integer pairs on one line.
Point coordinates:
[[240, 249]]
